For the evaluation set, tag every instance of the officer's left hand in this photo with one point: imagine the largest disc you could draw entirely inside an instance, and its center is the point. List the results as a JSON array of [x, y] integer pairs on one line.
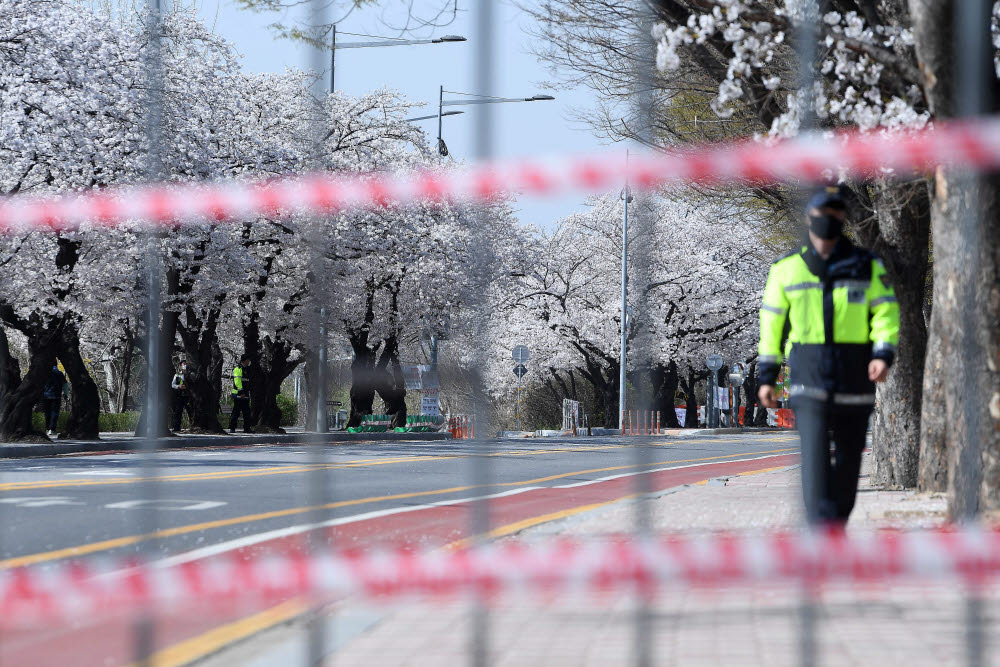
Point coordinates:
[[878, 370]]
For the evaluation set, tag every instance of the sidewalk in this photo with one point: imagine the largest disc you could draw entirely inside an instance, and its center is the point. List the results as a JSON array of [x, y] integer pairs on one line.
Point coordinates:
[[908, 624], [117, 442]]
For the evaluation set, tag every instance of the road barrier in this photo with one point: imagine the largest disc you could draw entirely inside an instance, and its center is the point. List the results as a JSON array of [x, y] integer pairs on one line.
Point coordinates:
[[974, 143], [373, 424], [641, 422], [462, 427], [32, 595]]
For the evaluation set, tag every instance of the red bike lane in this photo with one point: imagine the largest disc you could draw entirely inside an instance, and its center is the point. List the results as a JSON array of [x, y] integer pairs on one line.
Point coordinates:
[[109, 641]]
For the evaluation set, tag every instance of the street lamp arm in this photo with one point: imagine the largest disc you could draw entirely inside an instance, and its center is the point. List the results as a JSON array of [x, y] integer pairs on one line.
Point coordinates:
[[446, 113], [399, 42], [496, 100], [367, 45]]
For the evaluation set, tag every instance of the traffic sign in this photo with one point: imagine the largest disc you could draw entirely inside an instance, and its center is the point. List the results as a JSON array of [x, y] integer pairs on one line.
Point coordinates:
[[738, 374], [520, 370], [521, 354], [714, 362]]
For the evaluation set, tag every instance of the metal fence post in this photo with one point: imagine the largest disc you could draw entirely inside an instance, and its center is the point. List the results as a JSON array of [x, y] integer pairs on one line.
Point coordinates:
[[318, 480], [145, 624], [806, 36], [973, 59], [480, 520]]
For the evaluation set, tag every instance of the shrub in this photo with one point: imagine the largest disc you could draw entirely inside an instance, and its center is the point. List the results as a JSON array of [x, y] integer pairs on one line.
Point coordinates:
[[107, 421], [289, 410], [118, 421]]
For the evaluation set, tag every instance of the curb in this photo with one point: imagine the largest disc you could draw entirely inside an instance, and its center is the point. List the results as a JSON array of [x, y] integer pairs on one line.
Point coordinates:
[[18, 451]]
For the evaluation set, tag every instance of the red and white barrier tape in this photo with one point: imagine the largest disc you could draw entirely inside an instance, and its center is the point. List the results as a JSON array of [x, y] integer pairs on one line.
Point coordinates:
[[85, 588], [974, 143]]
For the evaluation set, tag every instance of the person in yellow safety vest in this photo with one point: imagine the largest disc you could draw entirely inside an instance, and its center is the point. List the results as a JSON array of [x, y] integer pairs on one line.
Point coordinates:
[[832, 303], [241, 396]]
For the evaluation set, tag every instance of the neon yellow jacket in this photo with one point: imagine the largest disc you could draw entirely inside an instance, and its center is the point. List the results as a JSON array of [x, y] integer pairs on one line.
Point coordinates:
[[832, 317], [238, 381]]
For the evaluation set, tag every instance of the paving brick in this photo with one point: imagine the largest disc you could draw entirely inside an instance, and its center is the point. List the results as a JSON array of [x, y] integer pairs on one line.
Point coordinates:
[[899, 624]]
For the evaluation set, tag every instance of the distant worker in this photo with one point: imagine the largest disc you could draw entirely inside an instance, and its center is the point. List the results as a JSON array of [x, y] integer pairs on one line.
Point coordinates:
[[182, 400], [52, 395], [241, 396], [832, 303]]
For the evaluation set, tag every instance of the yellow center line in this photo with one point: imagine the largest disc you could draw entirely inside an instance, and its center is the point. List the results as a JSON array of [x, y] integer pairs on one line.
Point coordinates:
[[305, 468], [190, 650], [118, 542], [524, 524], [745, 474], [198, 647]]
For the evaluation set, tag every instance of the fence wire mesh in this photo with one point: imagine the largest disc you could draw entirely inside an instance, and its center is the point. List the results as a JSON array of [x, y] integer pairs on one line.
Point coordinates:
[[334, 555]]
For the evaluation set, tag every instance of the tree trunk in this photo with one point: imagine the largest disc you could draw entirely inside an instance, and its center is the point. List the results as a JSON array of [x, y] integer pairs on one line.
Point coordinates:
[[390, 383], [85, 410], [903, 213], [18, 396], [689, 386], [310, 359], [274, 365], [962, 388], [363, 382], [168, 333], [962, 420], [664, 381], [199, 337], [124, 380]]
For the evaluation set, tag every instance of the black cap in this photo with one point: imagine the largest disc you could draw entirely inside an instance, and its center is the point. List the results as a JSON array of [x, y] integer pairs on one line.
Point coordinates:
[[832, 196]]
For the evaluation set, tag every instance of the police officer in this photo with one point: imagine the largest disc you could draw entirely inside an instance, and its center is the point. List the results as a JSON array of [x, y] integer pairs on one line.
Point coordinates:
[[241, 396], [181, 399], [831, 304]]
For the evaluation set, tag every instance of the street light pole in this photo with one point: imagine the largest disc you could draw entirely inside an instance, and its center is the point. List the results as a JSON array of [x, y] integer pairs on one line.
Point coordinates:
[[623, 359], [483, 99], [442, 149], [333, 58]]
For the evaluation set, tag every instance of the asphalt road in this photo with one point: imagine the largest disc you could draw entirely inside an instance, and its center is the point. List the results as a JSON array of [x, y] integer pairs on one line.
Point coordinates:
[[267, 497]]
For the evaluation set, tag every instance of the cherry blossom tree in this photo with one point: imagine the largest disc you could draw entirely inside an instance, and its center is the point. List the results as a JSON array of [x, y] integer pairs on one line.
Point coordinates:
[[690, 292]]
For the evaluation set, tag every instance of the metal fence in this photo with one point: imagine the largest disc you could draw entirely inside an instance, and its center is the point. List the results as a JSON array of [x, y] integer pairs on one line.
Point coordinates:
[[623, 567]]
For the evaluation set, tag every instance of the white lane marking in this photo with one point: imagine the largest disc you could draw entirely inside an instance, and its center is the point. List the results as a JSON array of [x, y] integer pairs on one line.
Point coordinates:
[[210, 453], [250, 540], [692, 465], [114, 472], [166, 504], [40, 501]]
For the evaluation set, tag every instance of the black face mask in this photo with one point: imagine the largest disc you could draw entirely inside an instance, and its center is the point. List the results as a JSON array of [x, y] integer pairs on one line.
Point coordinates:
[[826, 226]]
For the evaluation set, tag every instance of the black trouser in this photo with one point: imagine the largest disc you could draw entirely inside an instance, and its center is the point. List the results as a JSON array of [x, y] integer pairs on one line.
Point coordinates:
[[51, 408], [830, 484], [181, 403], [241, 404]]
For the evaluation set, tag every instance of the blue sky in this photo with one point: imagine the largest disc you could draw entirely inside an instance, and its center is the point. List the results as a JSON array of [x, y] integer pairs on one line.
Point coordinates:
[[529, 129]]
